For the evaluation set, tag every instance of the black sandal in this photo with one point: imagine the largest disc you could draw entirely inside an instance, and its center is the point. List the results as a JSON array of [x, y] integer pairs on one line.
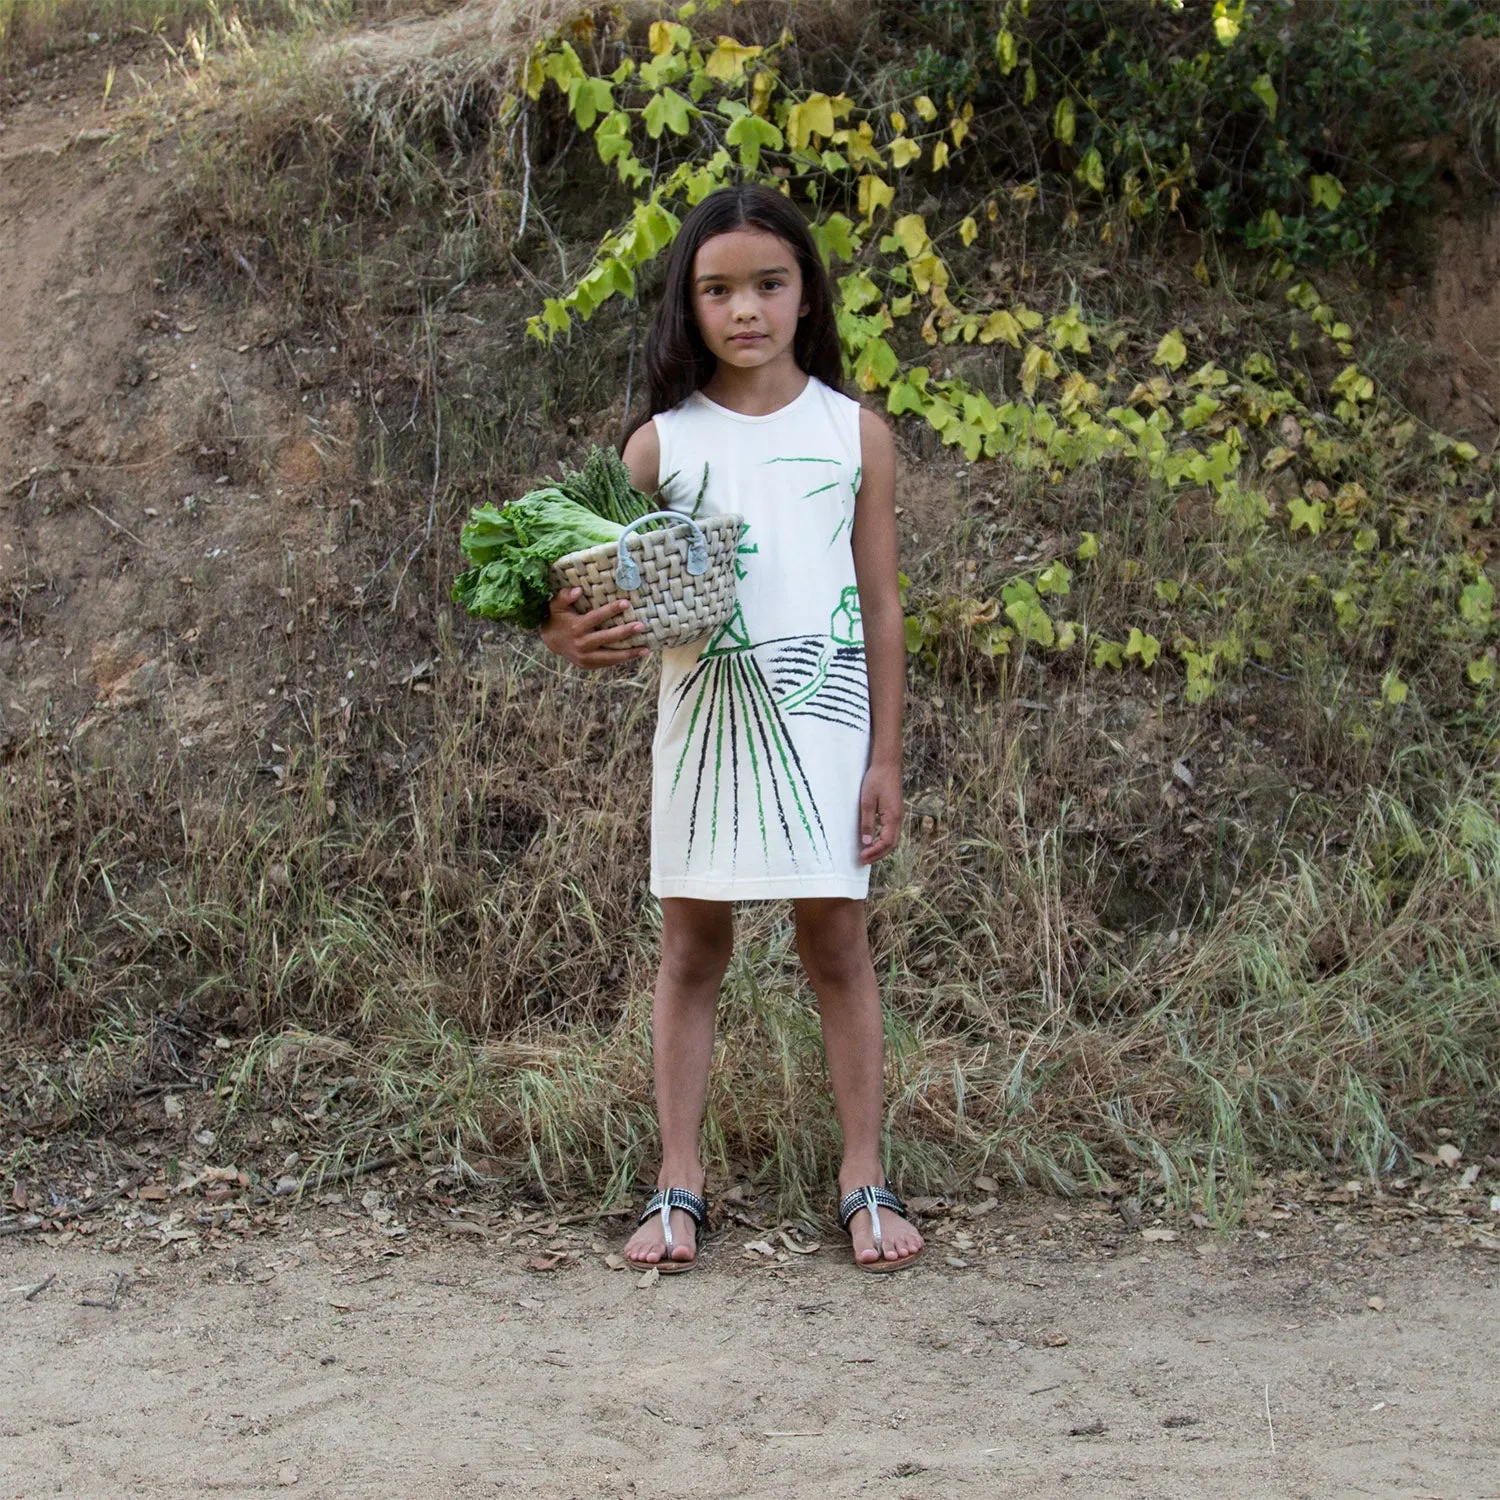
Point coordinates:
[[662, 1202], [870, 1200]]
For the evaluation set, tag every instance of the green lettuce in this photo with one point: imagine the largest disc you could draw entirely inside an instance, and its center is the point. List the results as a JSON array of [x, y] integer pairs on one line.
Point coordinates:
[[512, 548]]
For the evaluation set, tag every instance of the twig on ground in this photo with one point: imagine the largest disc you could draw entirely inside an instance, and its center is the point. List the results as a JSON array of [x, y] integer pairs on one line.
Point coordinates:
[[33, 1292], [1269, 1427], [123, 530], [110, 1303]]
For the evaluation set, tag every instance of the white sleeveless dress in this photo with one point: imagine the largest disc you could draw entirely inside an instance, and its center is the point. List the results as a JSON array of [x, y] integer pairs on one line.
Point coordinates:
[[763, 730]]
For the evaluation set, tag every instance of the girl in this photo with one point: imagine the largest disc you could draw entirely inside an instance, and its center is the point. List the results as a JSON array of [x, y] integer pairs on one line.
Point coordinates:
[[777, 755]]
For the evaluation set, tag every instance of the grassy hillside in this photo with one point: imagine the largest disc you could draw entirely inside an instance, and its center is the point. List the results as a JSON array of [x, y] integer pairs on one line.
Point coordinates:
[[1202, 872]]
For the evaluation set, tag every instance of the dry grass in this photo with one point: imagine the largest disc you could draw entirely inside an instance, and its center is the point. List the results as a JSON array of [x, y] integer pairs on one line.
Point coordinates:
[[467, 951], [433, 927]]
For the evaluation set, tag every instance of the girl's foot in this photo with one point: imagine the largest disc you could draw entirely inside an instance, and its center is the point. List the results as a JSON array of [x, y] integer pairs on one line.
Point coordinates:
[[901, 1241], [647, 1247]]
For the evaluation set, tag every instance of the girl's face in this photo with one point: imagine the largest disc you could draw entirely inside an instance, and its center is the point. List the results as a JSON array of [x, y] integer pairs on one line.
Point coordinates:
[[747, 297]]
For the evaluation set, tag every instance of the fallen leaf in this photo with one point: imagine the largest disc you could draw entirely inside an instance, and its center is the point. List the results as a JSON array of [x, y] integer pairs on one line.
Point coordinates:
[[794, 1247], [986, 1185], [649, 1278], [1055, 1339], [1470, 1177], [760, 1247], [957, 1262], [1158, 1236], [616, 1262], [1096, 1428], [1449, 1155], [287, 1475], [155, 1192], [1376, 1304], [545, 1262]]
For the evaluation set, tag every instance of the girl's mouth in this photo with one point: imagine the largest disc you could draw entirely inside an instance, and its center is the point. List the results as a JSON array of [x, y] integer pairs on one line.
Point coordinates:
[[746, 338]]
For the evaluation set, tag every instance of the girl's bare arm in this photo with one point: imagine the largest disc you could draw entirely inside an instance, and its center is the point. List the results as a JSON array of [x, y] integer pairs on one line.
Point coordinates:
[[586, 640], [875, 567]]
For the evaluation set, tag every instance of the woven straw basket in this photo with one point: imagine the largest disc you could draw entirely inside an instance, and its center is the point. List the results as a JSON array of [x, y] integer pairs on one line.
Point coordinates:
[[680, 581]]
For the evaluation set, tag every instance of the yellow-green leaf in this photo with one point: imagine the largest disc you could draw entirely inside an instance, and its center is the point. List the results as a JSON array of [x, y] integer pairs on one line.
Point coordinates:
[[1001, 325], [727, 61], [925, 108], [813, 116], [1006, 52], [940, 156], [1064, 121], [911, 230], [1088, 547], [1393, 689], [968, 231], [903, 151], [1171, 352], [1265, 91], [875, 193], [1327, 192], [1091, 169], [1143, 645]]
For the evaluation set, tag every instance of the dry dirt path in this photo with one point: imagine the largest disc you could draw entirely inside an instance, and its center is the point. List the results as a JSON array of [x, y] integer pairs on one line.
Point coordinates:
[[444, 1369]]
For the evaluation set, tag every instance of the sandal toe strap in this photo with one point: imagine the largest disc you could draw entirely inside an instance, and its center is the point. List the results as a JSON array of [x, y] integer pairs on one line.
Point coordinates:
[[870, 1199], [664, 1200]]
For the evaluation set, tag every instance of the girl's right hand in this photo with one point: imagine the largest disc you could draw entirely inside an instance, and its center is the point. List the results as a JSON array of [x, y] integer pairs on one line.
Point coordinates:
[[589, 640]]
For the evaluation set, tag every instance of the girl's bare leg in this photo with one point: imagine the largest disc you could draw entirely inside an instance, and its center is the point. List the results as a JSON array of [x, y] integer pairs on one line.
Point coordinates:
[[697, 938], [833, 943]]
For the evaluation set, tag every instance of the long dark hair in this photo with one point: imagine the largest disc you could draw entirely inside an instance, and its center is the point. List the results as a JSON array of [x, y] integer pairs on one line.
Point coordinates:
[[678, 362]]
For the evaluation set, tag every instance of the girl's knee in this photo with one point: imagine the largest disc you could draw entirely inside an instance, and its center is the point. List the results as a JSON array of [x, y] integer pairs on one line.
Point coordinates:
[[697, 939], [832, 940]]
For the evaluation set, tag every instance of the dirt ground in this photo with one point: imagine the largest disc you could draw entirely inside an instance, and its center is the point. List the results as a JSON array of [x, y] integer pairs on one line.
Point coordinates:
[[327, 1357]]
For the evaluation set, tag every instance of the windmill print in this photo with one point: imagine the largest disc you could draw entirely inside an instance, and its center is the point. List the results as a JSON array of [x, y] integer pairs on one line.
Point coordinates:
[[739, 763]]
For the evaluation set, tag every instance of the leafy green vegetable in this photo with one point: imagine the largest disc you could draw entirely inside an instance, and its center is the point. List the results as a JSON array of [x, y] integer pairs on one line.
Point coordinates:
[[513, 546], [512, 549]]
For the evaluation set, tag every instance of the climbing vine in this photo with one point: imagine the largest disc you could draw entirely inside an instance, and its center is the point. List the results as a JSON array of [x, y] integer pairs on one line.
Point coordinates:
[[686, 112]]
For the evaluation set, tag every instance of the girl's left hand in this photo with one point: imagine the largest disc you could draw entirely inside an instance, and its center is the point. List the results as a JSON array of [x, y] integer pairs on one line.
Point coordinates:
[[879, 813]]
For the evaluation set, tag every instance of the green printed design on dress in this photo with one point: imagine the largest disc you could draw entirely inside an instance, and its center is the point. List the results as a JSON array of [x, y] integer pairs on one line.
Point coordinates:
[[846, 625]]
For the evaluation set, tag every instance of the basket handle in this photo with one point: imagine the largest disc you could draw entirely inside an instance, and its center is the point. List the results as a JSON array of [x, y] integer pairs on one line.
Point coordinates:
[[627, 570]]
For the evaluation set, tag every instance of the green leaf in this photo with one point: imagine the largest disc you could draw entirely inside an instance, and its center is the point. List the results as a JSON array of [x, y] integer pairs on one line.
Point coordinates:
[[667, 110], [913, 635], [1055, 578], [1392, 689], [750, 135], [1143, 645], [1477, 601], [857, 291], [1482, 672], [836, 235], [1024, 610], [1265, 91], [1108, 653], [1006, 52], [876, 366], [1305, 514], [1088, 547]]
